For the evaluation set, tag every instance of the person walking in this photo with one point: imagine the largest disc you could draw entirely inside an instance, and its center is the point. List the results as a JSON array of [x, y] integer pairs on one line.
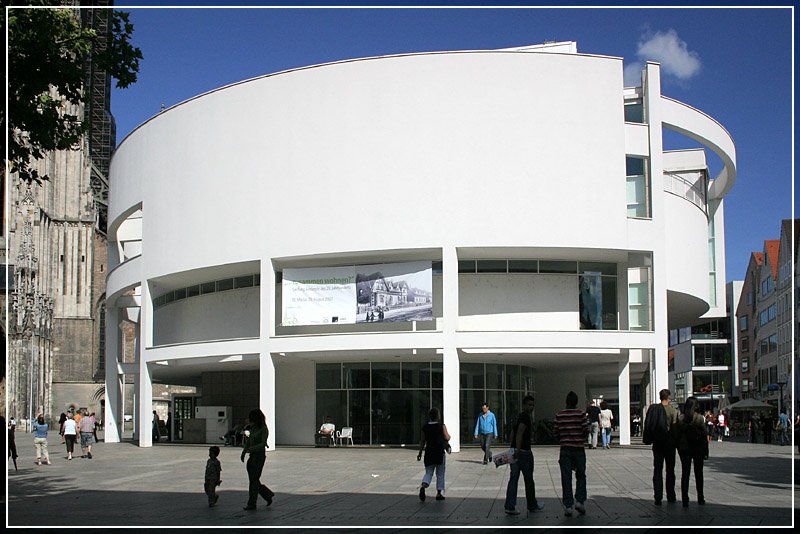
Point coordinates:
[[86, 428], [61, 420], [434, 443], [486, 430], [94, 426], [593, 414], [606, 417], [521, 441], [255, 444], [692, 448], [70, 434], [572, 426], [40, 440], [722, 425], [660, 429], [156, 430], [710, 424], [783, 427], [213, 476]]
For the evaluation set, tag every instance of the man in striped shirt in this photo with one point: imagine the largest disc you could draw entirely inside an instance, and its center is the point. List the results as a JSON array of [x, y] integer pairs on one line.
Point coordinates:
[[572, 427]]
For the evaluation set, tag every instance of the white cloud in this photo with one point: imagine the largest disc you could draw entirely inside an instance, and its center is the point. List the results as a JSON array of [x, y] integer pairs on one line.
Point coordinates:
[[633, 74], [672, 52]]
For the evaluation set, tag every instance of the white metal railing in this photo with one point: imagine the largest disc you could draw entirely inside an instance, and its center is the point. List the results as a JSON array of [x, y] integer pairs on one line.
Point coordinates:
[[679, 186]]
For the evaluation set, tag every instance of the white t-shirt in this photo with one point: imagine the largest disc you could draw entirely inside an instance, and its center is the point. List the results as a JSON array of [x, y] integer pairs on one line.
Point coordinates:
[[327, 428], [70, 428], [605, 418]]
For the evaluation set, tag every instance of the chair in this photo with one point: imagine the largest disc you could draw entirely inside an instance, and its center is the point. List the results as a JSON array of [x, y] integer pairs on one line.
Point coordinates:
[[344, 434]]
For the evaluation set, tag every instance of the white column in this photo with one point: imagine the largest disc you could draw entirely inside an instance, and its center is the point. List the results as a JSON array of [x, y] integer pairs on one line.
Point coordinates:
[[266, 393], [624, 381], [450, 363], [144, 382], [113, 413]]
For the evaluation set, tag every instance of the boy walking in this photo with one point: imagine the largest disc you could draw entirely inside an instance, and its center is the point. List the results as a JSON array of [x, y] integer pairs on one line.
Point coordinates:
[[572, 426], [213, 475]]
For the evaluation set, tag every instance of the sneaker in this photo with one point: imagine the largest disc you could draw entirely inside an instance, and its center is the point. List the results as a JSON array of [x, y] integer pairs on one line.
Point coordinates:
[[89, 455], [538, 507], [422, 494], [249, 507], [439, 496], [580, 508], [38, 462], [48, 462], [568, 511], [513, 511]]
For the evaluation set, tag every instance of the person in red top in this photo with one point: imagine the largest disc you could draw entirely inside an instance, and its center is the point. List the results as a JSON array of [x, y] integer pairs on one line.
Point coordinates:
[[572, 427]]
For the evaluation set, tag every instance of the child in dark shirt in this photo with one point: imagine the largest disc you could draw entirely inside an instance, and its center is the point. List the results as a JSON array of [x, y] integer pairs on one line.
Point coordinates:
[[213, 475]]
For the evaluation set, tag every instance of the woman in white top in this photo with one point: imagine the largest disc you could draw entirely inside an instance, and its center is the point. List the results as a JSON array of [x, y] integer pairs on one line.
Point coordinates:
[[70, 432], [605, 423]]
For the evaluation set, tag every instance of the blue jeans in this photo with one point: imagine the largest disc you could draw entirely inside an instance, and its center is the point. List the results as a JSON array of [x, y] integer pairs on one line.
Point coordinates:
[[524, 465], [426, 479], [573, 458], [606, 436]]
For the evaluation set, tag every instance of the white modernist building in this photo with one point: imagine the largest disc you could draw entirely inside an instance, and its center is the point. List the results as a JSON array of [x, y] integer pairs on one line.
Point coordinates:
[[369, 238]]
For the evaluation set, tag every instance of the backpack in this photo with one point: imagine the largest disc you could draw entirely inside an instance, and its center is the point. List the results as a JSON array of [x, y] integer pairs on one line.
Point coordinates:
[[655, 425]]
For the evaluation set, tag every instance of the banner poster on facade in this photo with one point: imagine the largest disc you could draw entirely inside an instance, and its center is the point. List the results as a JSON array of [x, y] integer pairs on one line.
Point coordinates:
[[387, 292]]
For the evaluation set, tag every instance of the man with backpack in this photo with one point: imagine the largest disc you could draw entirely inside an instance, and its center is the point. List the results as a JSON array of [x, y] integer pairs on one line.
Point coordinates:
[[660, 431]]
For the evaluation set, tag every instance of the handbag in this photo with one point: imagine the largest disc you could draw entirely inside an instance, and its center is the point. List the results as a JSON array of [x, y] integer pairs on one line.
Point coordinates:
[[504, 458]]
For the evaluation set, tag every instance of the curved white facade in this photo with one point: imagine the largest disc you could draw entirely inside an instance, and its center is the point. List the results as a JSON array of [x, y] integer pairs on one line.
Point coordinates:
[[441, 157]]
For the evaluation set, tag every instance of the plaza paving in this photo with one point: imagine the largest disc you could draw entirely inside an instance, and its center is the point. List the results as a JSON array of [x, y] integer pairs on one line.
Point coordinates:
[[746, 485]]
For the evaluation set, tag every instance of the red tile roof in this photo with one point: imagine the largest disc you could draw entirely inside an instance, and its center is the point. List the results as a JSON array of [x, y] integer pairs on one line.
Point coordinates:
[[772, 248]]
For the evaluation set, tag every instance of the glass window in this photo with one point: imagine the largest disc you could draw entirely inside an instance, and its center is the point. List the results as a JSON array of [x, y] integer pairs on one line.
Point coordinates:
[[523, 266], [598, 302], [597, 267], [180, 294], [208, 287], [466, 266], [385, 375], [492, 266], [494, 376], [547, 266], [159, 301], [745, 344], [192, 291], [225, 285], [329, 376], [634, 166], [437, 375], [356, 375], [512, 377], [243, 281], [436, 267], [637, 187], [471, 375], [333, 404], [634, 111], [416, 375], [743, 323], [169, 297]]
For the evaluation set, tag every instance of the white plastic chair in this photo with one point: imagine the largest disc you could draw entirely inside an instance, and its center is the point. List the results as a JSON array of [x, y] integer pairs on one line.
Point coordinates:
[[344, 434]]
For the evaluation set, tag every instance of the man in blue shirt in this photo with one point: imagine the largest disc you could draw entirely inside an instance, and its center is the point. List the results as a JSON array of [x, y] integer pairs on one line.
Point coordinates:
[[783, 427], [486, 429]]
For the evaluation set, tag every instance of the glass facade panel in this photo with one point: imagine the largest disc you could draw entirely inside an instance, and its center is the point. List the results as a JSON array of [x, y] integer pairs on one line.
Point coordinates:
[[634, 112], [494, 375], [356, 375], [358, 412], [386, 375], [329, 376], [333, 403], [512, 377], [597, 267], [471, 375], [598, 302], [416, 375], [523, 266], [437, 375], [492, 266], [225, 285], [466, 266], [570, 267]]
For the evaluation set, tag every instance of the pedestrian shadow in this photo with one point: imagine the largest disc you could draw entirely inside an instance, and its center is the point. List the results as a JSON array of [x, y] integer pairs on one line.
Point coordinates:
[[56, 500], [756, 471]]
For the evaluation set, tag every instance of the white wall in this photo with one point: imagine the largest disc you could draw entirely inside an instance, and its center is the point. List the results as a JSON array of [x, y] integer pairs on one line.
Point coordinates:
[[295, 391], [222, 315], [518, 302]]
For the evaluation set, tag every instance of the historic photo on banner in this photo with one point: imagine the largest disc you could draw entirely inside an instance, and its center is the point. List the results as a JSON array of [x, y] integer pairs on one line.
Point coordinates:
[[394, 292]]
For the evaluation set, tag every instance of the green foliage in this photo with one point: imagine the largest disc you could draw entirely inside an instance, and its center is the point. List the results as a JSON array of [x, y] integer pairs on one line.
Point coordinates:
[[47, 52]]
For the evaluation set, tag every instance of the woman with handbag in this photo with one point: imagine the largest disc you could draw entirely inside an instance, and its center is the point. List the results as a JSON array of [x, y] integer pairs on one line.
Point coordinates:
[[434, 443]]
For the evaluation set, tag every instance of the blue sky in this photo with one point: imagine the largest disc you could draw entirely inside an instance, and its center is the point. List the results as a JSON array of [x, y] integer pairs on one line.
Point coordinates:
[[733, 64]]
